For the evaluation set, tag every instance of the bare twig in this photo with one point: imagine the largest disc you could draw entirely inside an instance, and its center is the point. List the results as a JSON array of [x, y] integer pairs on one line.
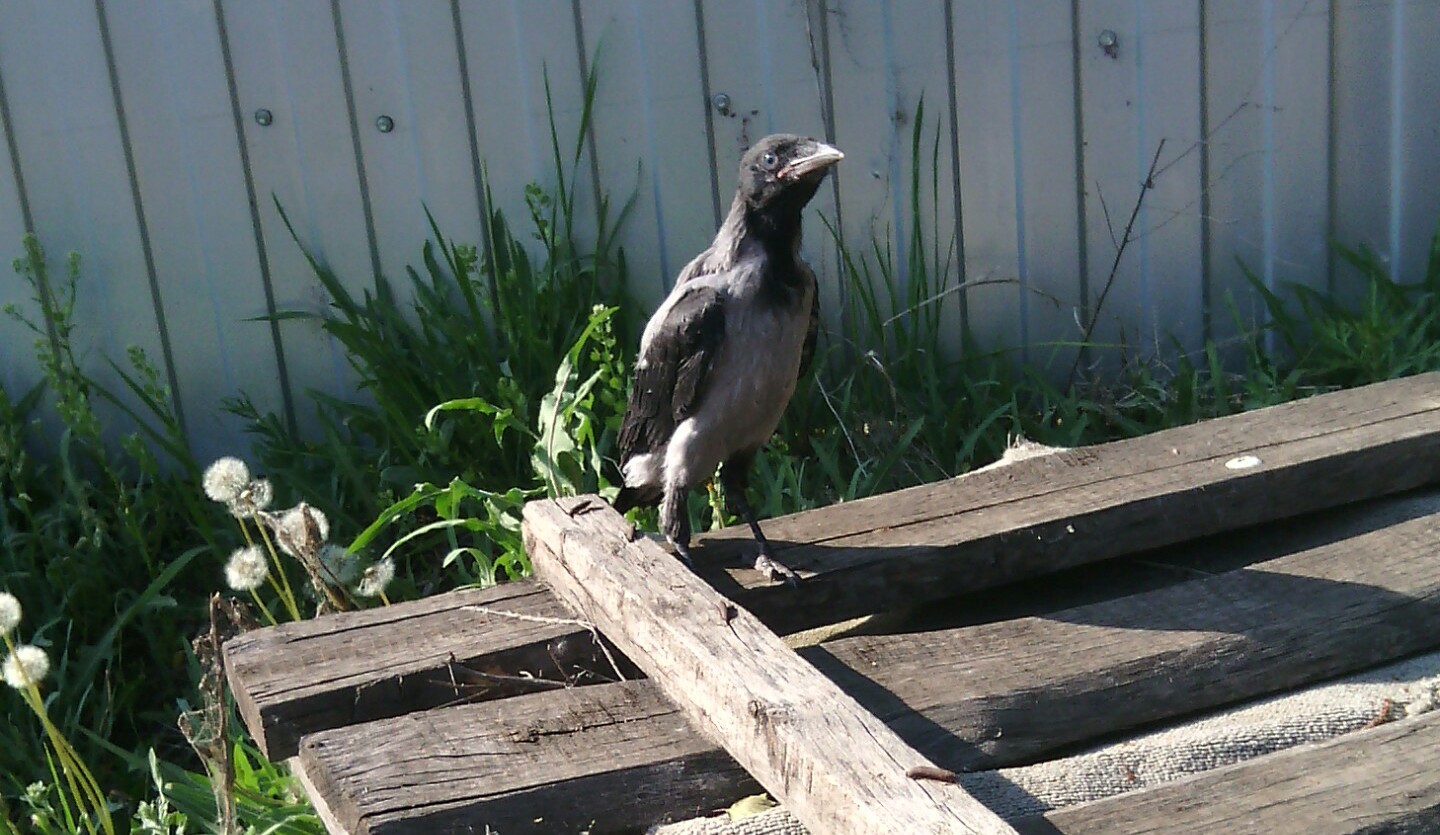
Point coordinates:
[[1105, 207], [1125, 240]]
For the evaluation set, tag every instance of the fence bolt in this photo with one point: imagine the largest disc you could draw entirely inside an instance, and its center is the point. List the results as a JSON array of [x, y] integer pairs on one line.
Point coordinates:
[[263, 117], [1110, 43], [722, 103], [385, 124]]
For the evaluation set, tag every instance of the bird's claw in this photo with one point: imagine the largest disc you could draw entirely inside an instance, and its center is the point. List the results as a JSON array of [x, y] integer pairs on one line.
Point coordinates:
[[776, 570], [683, 553]]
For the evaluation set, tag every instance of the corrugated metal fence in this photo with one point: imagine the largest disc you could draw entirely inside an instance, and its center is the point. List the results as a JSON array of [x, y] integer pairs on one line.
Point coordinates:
[[149, 135]]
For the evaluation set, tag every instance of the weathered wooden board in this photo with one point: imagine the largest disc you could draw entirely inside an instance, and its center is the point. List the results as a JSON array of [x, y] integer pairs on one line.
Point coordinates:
[[1004, 524], [1005, 692], [1012, 691], [295, 678], [1086, 504], [619, 754], [833, 764], [1377, 780]]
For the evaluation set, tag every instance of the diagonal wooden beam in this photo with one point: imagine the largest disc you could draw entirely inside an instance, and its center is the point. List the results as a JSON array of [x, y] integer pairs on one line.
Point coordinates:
[[831, 762]]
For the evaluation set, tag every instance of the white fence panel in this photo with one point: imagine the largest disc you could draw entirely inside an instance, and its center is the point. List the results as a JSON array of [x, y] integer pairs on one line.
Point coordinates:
[[1285, 122], [172, 79], [64, 121]]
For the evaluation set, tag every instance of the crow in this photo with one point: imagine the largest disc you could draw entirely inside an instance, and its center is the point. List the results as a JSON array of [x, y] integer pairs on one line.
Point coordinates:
[[721, 356]]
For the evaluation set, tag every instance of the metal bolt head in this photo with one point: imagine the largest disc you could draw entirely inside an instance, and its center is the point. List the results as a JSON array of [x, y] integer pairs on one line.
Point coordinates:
[[1110, 43], [384, 124], [722, 103], [263, 117]]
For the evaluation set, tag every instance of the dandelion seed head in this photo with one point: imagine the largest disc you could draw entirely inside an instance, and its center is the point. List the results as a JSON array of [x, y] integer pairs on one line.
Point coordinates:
[[9, 612], [246, 569], [27, 665], [224, 479], [252, 498], [292, 532], [341, 567], [376, 578]]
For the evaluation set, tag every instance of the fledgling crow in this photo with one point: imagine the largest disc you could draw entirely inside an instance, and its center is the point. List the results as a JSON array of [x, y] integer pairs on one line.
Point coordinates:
[[721, 356]]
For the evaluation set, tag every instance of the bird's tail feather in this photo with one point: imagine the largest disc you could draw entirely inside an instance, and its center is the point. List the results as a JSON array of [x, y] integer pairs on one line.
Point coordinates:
[[637, 497]]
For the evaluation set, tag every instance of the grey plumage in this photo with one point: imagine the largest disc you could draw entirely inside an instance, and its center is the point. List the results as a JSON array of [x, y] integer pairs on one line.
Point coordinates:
[[720, 358]]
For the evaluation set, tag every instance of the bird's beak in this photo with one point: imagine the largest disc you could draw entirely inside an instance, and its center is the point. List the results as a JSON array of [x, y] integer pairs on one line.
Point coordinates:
[[821, 156]]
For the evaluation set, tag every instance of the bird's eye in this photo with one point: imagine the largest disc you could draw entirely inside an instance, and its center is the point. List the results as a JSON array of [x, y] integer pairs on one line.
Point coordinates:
[[769, 160]]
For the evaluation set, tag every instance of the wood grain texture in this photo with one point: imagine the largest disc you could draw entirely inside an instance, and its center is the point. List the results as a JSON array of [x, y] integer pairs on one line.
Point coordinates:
[[1080, 505], [833, 764], [1377, 780], [1007, 692], [993, 694], [463, 646], [602, 758], [1026, 519]]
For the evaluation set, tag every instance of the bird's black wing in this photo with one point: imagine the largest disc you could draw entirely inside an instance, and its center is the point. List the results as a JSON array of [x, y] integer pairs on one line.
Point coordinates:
[[812, 336], [671, 374]]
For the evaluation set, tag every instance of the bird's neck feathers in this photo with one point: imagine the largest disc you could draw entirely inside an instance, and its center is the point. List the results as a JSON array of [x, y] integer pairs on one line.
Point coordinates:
[[773, 229]]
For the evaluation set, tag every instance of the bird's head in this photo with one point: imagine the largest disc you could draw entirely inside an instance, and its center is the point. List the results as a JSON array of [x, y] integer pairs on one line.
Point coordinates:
[[784, 170]]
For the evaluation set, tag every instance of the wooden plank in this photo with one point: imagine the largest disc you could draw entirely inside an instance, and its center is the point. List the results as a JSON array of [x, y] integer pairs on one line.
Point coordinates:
[[1377, 780], [1081, 505], [833, 764], [893, 551], [605, 758], [1003, 693], [1030, 688], [417, 655]]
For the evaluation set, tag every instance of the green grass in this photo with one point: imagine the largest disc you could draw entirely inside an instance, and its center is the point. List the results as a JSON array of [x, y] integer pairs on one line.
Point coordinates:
[[491, 375]]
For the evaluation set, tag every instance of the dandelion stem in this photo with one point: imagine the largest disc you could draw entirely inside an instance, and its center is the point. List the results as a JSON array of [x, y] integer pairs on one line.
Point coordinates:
[[383, 598], [287, 595], [84, 789], [263, 608]]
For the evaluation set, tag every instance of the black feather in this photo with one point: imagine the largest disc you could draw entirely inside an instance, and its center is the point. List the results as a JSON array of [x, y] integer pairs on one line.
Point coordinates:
[[670, 378]]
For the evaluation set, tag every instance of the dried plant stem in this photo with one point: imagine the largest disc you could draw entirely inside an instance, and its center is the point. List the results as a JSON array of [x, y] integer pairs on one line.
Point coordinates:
[[1124, 243], [287, 594]]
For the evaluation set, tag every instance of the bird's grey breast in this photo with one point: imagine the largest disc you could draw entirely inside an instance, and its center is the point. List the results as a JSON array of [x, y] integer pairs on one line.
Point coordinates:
[[759, 362]]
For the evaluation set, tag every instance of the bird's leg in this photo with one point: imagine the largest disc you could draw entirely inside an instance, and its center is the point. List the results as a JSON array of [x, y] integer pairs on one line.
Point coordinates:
[[735, 475], [675, 522]]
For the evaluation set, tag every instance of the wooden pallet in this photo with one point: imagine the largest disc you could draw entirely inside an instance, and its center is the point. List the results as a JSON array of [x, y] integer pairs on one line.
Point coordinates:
[[620, 689]]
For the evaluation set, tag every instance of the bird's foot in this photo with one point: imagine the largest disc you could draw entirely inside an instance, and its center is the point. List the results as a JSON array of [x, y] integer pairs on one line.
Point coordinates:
[[776, 570], [682, 551]]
